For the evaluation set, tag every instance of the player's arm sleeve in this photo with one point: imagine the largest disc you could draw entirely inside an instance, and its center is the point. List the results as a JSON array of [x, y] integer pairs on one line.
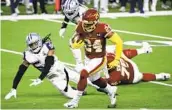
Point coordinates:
[[22, 68], [49, 61], [115, 39], [76, 42], [65, 22]]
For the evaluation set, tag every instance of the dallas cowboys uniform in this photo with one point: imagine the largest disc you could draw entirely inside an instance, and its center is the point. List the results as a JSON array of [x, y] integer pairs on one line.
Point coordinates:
[[73, 12], [37, 54]]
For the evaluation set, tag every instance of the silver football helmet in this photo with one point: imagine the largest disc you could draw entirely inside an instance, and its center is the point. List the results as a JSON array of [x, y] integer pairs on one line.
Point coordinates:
[[34, 42], [70, 8]]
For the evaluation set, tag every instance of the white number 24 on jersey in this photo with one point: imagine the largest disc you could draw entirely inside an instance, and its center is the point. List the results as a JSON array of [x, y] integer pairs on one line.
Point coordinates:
[[96, 45]]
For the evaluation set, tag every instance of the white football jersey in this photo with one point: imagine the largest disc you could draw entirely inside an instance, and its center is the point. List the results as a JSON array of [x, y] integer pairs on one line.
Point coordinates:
[[38, 60]]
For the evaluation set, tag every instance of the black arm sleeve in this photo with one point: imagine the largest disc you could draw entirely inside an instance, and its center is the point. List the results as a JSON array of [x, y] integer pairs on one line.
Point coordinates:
[[64, 24], [20, 73], [49, 61]]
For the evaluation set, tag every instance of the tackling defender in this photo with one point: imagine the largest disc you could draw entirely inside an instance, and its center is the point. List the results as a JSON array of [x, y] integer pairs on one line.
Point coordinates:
[[127, 71], [73, 11], [93, 34], [40, 54]]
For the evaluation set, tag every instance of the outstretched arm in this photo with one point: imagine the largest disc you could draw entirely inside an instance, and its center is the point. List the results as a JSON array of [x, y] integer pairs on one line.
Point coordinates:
[[22, 68], [63, 27], [49, 61], [116, 40]]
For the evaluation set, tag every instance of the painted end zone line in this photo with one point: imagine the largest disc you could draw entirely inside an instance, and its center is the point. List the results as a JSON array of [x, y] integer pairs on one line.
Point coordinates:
[[19, 53], [121, 31]]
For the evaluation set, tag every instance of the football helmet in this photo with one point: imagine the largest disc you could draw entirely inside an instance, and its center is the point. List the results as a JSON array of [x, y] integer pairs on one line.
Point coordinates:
[[89, 20], [70, 8], [34, 42]]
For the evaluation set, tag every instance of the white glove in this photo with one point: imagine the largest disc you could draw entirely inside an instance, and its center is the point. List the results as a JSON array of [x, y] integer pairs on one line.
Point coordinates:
[[10, 94], [35, 82], [61, 32]]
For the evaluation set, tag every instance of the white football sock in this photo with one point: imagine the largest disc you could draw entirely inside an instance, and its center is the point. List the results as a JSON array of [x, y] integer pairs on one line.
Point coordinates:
[[108, 89], [159, 77], [140, 51], [78, 96]]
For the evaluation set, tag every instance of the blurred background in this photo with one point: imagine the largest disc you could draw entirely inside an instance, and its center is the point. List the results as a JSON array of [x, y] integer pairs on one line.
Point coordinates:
[[104, 6]]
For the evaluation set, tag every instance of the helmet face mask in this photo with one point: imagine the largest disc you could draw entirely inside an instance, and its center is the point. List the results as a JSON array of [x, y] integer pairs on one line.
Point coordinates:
[[34, 42], [89, 26], [90, 20]]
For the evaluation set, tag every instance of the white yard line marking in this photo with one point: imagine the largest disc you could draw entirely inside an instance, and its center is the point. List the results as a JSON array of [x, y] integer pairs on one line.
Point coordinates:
[[122, 31], [160, 83], [107, 15], [69, 64], [20, 53], [11, 51]]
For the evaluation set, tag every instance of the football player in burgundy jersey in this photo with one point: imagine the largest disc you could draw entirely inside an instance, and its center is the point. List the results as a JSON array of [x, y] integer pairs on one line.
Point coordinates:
[[127, 71], [93, 34], [73, 12]]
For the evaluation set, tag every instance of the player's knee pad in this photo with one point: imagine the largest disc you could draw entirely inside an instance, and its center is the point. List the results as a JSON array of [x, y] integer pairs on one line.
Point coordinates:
[[84, 74]]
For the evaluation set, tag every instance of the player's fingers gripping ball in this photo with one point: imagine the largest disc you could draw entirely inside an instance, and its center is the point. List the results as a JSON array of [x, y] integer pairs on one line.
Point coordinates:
[[76, 42]]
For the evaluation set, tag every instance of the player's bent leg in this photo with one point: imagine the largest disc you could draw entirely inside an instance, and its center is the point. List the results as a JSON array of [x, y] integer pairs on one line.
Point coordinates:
[[130, 53], [163, 76], [73, 75], [152, 77], [146, 48], [81, 87], [60, 84], [148, 77], [111, 90], [70, 93]]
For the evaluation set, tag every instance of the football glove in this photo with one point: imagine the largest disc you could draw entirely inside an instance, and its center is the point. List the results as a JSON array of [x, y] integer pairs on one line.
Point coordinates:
[[10, 94], [35, 82], [113, 64], [61, 32]]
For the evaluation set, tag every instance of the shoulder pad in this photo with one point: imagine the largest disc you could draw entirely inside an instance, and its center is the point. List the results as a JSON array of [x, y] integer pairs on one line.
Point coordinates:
[[29, 57], [102, 27], [49, 45]]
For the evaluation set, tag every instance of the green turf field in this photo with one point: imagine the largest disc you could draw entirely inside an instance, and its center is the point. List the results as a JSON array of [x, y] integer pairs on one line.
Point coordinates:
[[45, 96]]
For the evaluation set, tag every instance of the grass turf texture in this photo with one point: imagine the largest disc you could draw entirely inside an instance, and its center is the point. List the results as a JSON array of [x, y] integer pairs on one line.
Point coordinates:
[[142, 95]]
